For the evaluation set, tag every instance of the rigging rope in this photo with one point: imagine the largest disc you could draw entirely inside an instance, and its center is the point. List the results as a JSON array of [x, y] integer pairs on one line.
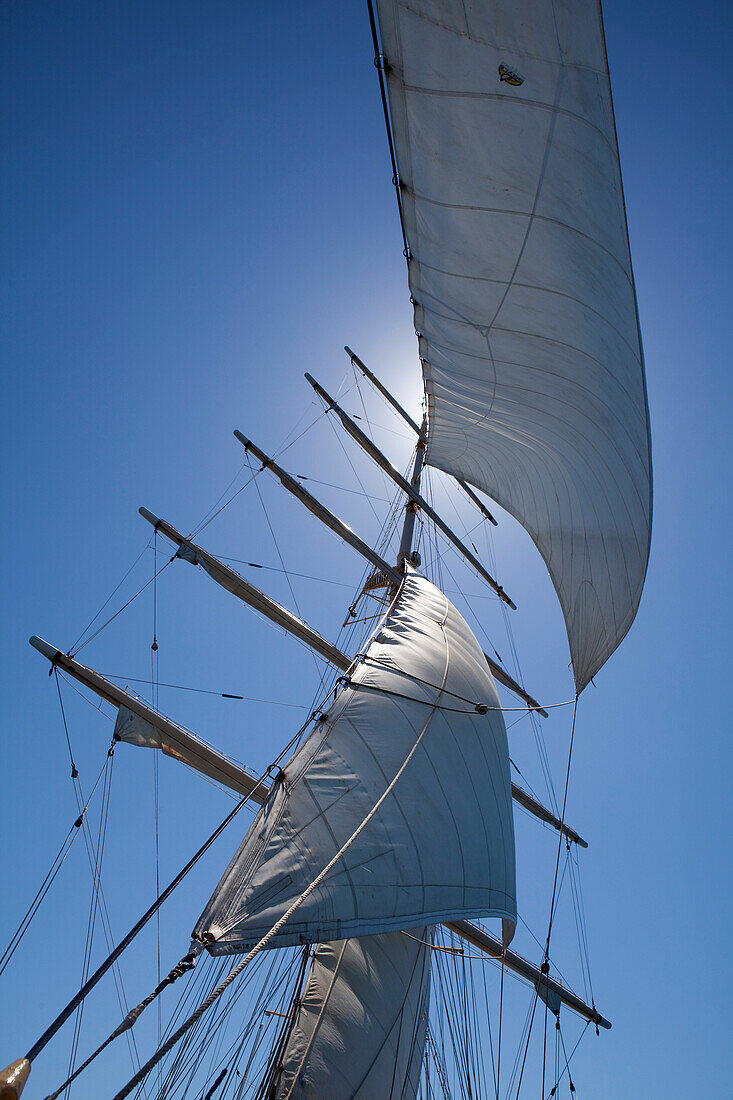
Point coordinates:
[[185, 964], [351, 464], [200, 691], [74, 652], [154, 673], [321, 672], [274, 569], [501, 1016], [579, 908], [275, 1065], [262, 943], [98, 854], [111, 959], [562, 822], [51, 875], [112, 593], [566, 1067], [481, 707], [92, 852]]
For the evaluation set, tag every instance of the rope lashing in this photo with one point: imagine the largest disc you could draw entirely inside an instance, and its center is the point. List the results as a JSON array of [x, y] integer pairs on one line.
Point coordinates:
[[186, 963]]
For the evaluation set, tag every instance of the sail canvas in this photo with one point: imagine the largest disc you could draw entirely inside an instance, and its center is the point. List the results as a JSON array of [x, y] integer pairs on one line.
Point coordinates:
[[520, 275], [361, 1022], [442, 842]]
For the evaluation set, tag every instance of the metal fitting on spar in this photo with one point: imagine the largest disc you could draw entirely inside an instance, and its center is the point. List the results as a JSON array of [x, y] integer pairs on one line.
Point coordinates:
[[13, 1079]]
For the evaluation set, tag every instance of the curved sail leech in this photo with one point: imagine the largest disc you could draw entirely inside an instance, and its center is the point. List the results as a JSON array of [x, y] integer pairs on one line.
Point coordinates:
[[520, 273]]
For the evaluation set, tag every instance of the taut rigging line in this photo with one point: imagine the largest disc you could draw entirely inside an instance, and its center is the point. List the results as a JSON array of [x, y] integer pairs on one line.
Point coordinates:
[[50, 1031]]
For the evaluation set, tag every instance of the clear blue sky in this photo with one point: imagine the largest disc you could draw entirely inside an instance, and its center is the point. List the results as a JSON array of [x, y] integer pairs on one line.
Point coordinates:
[[197, 208]]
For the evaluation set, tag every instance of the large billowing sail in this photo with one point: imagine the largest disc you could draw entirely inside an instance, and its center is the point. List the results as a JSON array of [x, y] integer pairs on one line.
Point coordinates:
[[442, 841], [524, 296], [361, 1022]]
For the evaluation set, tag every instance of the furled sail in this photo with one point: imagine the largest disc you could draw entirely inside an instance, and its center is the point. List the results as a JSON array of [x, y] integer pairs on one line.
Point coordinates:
[[183, 746], [440, 843], [361, 1022], [524, 298]]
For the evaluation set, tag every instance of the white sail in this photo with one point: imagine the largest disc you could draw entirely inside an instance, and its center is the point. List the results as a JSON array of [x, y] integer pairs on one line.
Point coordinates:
[[361, 1023], [441, 842], [524, 296]]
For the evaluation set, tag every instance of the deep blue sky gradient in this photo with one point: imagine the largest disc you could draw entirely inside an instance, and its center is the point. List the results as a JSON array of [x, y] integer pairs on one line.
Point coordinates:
[[197, 208]]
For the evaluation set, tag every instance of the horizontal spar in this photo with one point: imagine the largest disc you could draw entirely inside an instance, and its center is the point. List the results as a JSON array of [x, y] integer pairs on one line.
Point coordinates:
[[186, 747], [491, 946], [413, 424], [509, 682], [248, 593], [500, 674], [522, 798], [177, 742], [196, 754], [479, 503], [345, 532], [320, 511], [384, 391], [384, 464]]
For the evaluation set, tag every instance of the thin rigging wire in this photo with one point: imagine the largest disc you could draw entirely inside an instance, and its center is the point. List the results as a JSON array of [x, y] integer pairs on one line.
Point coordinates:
[[198, 690], [48, 880], [112, 593], [329, 420], [562, 821], [98, 851], [292, 572], [262, 943], [92, 856], [154, 672], [111, 619], [320, 672]]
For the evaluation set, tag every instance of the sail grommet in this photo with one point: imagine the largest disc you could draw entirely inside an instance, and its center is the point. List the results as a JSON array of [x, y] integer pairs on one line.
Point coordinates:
[[482, 708]]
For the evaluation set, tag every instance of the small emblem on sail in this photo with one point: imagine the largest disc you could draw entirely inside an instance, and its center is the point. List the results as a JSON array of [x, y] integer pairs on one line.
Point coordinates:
[[508, 76]]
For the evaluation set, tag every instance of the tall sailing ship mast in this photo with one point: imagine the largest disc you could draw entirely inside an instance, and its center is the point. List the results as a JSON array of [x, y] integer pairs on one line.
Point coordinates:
[[384, 838]]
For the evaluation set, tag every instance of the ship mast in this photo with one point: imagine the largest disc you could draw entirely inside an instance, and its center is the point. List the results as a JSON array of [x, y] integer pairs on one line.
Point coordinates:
[[408, 527]]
